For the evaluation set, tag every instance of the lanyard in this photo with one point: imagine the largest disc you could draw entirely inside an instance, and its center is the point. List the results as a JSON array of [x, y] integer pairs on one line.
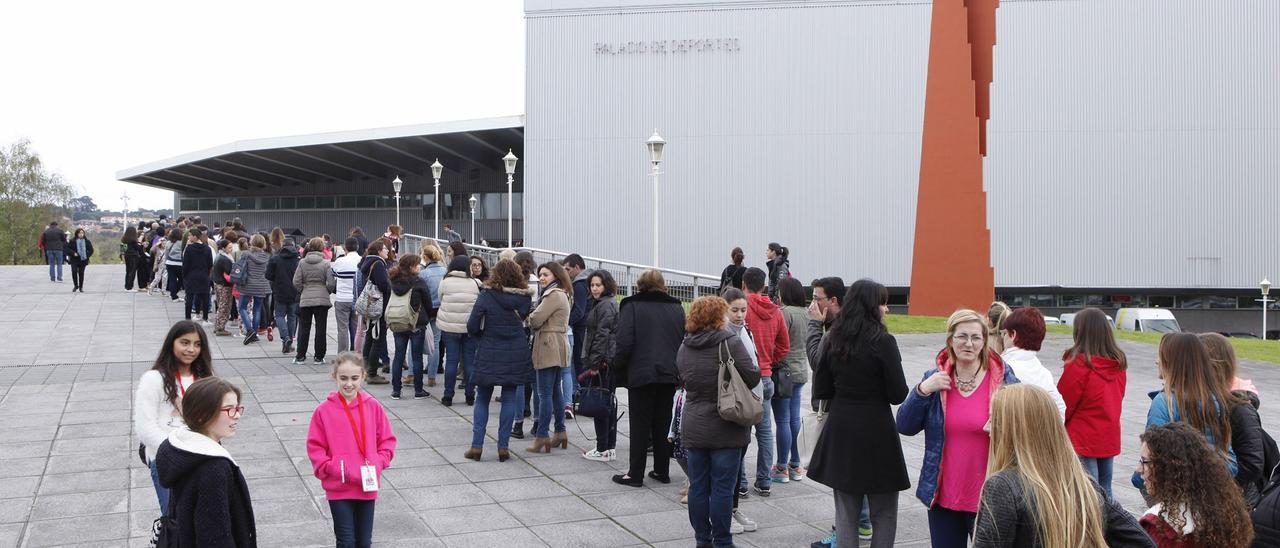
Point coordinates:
[[356, 428], [177, 378]]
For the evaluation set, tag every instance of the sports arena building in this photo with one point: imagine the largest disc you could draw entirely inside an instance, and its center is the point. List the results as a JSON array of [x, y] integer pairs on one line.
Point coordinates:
[[1130, 148]]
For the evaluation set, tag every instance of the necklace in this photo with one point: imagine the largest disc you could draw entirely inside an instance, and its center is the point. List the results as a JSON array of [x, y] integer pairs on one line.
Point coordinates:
[[967, 385]]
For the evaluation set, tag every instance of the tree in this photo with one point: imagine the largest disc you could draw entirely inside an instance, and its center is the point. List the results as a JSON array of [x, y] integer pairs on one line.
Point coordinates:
[[29, 198], [83, 204]]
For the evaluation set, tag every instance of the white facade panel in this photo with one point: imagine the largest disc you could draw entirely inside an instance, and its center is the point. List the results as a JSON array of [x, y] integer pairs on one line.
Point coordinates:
[[1132, 144]]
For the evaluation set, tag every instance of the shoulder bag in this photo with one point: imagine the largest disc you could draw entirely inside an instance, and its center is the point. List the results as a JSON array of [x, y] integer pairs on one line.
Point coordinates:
[[734, 399]]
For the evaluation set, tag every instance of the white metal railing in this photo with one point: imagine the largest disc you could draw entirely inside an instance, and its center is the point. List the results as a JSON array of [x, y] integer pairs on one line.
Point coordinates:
[[682, 285]]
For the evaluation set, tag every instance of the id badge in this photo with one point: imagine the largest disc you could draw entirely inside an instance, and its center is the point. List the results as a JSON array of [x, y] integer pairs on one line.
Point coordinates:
[[369, 478]]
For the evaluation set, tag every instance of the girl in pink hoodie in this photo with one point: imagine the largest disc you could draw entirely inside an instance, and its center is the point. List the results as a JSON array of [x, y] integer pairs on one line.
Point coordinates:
[[350, 443]]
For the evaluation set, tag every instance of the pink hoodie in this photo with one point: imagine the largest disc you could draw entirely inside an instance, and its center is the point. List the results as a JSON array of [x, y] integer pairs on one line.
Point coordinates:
[[331, 446]]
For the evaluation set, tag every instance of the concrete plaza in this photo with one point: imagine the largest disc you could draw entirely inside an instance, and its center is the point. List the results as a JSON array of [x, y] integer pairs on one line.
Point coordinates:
[[71, 475]]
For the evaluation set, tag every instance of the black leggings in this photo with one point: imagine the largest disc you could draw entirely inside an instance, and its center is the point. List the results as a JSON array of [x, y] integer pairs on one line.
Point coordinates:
[[650, 408]]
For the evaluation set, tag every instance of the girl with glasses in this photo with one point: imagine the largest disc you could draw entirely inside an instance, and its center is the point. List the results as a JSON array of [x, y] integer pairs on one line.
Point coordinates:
[[1195, 501]]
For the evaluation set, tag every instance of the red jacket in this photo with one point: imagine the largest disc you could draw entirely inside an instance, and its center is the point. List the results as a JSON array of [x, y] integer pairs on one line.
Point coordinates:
[[1094, 393], [769, 329], [1164, 535], [335, 456]]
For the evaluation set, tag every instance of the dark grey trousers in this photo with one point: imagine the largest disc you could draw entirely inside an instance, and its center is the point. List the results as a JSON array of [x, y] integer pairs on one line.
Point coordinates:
[[884, 518]]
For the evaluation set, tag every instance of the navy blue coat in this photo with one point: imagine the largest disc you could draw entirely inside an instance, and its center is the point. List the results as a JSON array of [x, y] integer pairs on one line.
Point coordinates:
[[503, 354]]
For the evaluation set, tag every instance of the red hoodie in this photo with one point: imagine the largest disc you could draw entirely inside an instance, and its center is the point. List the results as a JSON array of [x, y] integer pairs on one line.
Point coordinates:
[[1093, 392], [769, 330], [335, 456]]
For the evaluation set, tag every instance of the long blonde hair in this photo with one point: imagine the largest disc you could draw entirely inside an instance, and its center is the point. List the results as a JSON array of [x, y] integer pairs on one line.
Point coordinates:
[[1027, 437]]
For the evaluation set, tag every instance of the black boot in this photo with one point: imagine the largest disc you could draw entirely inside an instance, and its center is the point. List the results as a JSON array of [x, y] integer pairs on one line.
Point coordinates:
[[517, 431]]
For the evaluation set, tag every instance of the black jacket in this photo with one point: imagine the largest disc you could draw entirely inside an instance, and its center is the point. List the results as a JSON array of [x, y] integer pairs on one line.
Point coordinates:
[[1247, 444], [54, 239], [1006, 518], [1266, 517], [208, 496], [280, 271], [732, 276], [650, 330], [73, 254], [374, 269], [197, 261], [221, 268], [421, 294], [600, 343], [503, 355]]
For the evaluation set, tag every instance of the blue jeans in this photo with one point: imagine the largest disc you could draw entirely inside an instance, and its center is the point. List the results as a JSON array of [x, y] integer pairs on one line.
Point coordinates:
[[764, 441], [255, 322], [786, 415], [413, 339], [711, 479], [55, 262], [1099, 470], [433, 359], [162, 494], [287, 320], [550, 400], [569, 377], [512, 400], [458, 347], [352, 522]]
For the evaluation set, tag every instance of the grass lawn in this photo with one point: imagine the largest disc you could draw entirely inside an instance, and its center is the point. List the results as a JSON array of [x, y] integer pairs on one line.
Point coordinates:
[[1246, 349]]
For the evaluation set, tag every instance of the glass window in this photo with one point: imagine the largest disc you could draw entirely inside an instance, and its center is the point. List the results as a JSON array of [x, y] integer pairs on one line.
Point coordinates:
[[189, 204], [288, 202], [1072, 301], [1249, 302], [1014, 301], [306, 202], [208, 204], [347, 202], [228, 204], [1043, 301], [269, 202], [324, 202], [1097, 300], [387, 202], [1190, 301], [366, 201], [1160, 301], [1217, 301]]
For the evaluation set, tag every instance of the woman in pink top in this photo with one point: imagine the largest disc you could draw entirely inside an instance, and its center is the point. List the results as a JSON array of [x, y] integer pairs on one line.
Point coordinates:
[[951, 405], [350, 442]]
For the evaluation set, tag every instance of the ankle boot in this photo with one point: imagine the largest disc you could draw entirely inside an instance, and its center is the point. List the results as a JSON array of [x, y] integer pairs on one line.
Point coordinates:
[[560, 440], [503, 455], [540, 445], [517, 431], [473, 453]]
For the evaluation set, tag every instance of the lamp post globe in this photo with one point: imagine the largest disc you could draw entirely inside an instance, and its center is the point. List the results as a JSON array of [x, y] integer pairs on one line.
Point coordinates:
[[437, 169], [655, 144], [395, 185], [509, 161], [1265, 285], [472, 202]]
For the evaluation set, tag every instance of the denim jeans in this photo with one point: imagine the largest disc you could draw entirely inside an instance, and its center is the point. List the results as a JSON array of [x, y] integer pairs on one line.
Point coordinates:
[[764, 441], [287, 320], [1100, 470], [512, 399], [414, 340], [711, 479], [55, 264], [352, 522], [433, 359], [786, 415], [458, 347], [255, 322], [550, 400], [569, 378], [162, 493]]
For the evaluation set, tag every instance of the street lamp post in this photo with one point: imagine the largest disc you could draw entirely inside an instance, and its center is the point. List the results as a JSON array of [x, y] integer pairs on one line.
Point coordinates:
[[510, 161], [1266, 290], [655, 144], [125, 198], [472, 202], [396, 185], [436, 170]]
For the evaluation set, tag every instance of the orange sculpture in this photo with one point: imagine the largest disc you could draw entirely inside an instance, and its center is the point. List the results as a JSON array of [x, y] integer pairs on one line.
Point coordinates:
[[951, 262]]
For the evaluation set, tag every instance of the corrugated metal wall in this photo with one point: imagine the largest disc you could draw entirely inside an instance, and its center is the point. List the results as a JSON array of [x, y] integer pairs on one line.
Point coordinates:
[[1132, 143]]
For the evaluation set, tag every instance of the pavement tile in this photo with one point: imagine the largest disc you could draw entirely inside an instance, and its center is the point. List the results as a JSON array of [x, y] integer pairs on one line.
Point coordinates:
[[522, 489], [24, 487], [27, 449], [631, 502], [16, 510], [539, 511], [114, 527], [425, 499], [507, 538], [586, 534], [452, 521], [658, 526], [80, 504], [82, 482], [312, 533]]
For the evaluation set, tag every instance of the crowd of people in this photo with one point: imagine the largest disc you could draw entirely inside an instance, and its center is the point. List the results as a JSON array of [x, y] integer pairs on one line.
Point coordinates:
[[1012, 456]]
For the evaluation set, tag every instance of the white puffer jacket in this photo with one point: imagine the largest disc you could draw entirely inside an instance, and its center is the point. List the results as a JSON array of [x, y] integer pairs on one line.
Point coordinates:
[[458, 295], [1027, 367], [153, 416]]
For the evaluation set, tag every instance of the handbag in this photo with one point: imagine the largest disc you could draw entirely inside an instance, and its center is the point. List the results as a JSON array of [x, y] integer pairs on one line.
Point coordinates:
[[811, 425], [783, 384], [734, 399], [595, 400]]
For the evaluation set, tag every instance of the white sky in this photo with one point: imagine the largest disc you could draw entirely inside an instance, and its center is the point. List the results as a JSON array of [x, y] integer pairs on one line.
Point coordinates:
[[102, 86]]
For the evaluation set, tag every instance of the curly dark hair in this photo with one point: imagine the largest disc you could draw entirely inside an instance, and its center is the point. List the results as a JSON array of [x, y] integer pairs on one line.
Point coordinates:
[[507, 274], [1186, 472]]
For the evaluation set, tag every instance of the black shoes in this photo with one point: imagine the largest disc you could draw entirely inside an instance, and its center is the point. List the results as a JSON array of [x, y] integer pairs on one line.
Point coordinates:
[[422, 394], [471, 400], [517, 431], [252, 337], [662, 478], [447, 401], [622, 479]]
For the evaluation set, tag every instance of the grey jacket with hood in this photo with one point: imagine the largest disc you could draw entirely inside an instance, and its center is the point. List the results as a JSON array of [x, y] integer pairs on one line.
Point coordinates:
[[314, 281], [698, 362], [256, 284]]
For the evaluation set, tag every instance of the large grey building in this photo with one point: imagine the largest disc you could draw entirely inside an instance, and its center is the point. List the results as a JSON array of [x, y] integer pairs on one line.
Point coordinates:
[[1132, 147]]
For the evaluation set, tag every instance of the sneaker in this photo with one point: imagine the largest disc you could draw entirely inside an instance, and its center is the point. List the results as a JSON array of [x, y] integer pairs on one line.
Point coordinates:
[[864, 533], [747, 524], [743, 493], [300, 361], [568, 413], [284, 348], [735, 527], [762, 491], [826, 542], [251, 338], [181, 299], [395, 395], [318, 361], [779, 474], [378, 379], [599, 456], [797, 473]]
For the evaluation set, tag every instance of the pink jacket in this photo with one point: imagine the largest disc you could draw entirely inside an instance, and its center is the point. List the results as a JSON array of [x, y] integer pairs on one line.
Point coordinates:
[[331, 446]]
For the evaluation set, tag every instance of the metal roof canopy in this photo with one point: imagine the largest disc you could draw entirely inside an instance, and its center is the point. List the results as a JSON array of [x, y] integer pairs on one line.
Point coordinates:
[[344, 156]]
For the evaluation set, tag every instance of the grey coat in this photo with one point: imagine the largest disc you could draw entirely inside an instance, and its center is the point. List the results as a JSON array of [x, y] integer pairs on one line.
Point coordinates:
[[599, 346], [256, 284], [698, 362], [797, 360], [314, 281]]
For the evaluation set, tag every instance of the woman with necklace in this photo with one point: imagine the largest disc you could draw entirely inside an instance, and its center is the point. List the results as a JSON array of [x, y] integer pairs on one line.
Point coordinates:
[[952, 403]]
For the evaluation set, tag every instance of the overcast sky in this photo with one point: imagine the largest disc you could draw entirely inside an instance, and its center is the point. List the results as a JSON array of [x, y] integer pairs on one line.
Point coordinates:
[[102, 86]]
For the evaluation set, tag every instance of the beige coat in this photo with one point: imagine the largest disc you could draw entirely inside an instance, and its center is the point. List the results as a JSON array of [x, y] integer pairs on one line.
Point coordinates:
[[550, 325]]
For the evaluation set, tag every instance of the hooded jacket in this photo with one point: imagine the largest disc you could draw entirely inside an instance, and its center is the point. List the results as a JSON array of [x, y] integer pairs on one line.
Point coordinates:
[[779, 269], [599, 343], [458, 294], [650, 331], [1093, 393], [698, 361], [769, 330], [197, 261], [928, 413], [280, 269], [335, 455], [432, 274], [503, 357], [208, 496], [256, 284], [550, 324], [314, 281], [1026, 365], [419, 300]]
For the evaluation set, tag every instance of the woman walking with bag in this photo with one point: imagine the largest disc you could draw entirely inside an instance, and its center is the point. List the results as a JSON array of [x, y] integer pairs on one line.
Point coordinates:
[[407, 319], [793, 368], [550, 324], [714, 445], [858, 452], [503, 357], [598, 349], [373, 270]]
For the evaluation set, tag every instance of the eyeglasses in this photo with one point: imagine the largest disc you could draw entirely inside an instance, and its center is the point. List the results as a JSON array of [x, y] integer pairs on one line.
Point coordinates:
[[1144, 462], [961, 338], [233, 412]]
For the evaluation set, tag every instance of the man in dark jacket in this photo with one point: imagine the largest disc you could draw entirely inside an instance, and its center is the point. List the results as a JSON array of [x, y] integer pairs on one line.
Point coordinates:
[[280, 271], [54, 241], [577, 270], [650, 330]]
